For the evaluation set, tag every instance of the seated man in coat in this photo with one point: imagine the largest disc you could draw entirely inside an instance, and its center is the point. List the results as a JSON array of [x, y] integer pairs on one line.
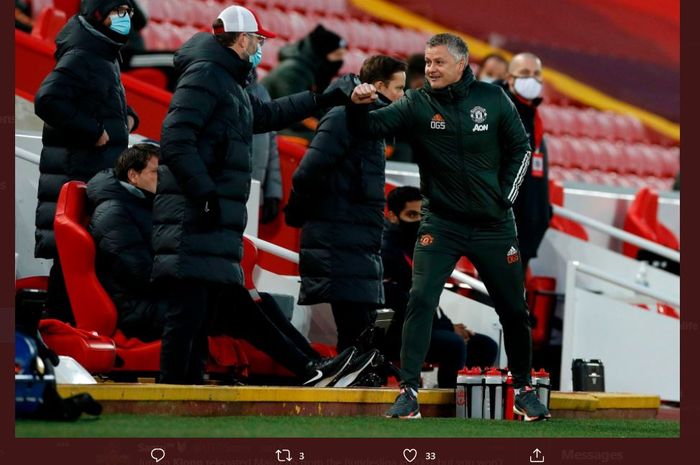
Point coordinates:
[[452, 346], [121, 226]]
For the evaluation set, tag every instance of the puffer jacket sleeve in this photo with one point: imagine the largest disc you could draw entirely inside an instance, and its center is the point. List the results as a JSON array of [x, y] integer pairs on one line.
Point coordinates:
[[273, 177], [131, 112], [326, 150], [58, 97], [393, 119], [191, 107], [516, 150], [281, 112], [122, 245]]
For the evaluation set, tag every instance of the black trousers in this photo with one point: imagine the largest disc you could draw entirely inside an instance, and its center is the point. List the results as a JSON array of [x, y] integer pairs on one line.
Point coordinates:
[[196, 310], [57, 302], [451, 353], [493, 249], [351, 319]]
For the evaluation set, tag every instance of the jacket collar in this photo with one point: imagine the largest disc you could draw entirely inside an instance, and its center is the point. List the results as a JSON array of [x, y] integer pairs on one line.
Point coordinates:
[[457, 90], [203, 47], [79, 34]]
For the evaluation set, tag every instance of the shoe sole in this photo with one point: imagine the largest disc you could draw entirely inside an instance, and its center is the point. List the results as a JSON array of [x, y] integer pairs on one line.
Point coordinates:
[[324, 382], [347, 379], [411, 416], [544, 417]]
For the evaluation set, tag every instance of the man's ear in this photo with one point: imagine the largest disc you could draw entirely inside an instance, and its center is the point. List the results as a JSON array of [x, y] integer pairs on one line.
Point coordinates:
[[391, 216], [131, 176]]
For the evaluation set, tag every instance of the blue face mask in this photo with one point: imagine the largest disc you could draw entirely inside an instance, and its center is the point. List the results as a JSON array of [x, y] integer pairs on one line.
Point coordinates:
[[257, 58], [120, 25]]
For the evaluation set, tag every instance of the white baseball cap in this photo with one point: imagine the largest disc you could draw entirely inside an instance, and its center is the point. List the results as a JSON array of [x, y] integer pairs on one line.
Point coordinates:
[[240, 19]]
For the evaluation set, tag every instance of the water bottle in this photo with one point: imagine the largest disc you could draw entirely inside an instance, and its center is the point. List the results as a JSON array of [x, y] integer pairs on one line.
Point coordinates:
[[474, 393], [461, 394], [540, 381], [493, 398]]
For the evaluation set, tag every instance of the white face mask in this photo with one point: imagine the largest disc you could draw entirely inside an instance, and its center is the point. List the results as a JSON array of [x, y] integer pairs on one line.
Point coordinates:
[[487, 79], [528, 87]]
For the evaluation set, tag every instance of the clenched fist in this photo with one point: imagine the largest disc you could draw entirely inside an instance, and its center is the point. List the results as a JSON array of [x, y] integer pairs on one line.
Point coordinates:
[[364, 94]]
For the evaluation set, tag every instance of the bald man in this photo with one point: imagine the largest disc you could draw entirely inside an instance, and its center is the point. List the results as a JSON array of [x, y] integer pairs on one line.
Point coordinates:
[[532, 209]]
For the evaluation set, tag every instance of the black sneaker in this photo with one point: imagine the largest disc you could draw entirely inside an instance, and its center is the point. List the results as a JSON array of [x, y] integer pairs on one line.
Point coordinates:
[[529, 406], [323, 371], [405, 406], [353, 370]]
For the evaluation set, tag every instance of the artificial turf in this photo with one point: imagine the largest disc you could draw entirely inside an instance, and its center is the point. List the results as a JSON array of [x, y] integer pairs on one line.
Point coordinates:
[[121, 425]]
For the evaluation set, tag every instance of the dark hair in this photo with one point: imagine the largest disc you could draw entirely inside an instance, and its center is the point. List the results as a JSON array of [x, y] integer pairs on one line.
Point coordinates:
[[416, 66], [496, 56], [398, 198], [380, 68], [135, 158], [455, 45], [224, 38]]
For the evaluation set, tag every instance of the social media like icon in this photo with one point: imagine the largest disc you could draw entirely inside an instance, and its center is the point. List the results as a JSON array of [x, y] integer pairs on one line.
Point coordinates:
[[157, 454], [410, 455]]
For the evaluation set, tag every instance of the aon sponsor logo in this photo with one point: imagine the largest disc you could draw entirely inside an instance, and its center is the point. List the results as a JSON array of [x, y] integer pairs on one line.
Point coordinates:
[[480, 127]]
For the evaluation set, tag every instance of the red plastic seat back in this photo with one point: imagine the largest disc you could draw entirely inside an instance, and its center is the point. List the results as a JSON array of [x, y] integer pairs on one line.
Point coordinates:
[[572, 228], [93, 309], [49, 23], [642, 220]]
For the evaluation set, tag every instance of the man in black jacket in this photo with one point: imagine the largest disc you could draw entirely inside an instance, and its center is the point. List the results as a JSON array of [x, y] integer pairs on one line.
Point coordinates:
[[473, 155], [86, 119], [200, 206], [338, 198], [452, 346], [532, 209], [121, 226]]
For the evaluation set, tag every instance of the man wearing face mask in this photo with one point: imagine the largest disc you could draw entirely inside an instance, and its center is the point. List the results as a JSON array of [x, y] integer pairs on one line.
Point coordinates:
[[452, 346], [493, 68], [86, 119], [204, 183], [532, 208], [308, 64], [474, 154]]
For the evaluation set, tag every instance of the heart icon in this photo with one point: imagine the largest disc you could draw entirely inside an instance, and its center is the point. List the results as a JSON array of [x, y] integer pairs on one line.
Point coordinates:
[[410, 454]]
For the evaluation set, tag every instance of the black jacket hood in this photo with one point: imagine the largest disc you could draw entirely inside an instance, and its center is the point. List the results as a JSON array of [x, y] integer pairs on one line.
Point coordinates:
[[105, 186], [203, 47], [79, 34]]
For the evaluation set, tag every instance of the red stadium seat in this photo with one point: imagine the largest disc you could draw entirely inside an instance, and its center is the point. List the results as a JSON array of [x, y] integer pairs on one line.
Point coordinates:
[[49, 23], [556, 197], [642, 220]]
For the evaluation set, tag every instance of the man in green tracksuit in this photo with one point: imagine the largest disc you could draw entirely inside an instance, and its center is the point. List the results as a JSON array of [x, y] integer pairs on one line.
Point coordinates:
[[473, 154]]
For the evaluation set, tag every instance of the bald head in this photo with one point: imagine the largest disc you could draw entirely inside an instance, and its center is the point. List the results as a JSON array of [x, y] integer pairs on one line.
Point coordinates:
[[525, 67], [524, 60]]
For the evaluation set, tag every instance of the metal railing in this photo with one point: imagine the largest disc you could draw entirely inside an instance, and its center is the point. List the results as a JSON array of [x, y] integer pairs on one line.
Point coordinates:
[[27, 155], [619, 233], [577, 266]]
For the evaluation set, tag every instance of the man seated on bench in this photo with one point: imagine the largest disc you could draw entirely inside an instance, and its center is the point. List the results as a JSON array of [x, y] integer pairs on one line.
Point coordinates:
[[122, 199], [452, 346]]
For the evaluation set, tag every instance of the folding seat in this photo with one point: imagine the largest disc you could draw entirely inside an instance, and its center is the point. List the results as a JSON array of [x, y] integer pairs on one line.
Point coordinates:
[[556, 197], [555, 150], [642, 220], [608, 155], [568, 120], [158, 10], [49, 23], [581, 153], [550, 119], [671, 160], [606, 125], [586, 123], [596, 157]]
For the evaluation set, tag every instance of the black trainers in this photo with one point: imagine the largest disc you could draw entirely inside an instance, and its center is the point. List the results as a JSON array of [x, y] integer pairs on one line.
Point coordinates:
[[354, 369], [405, 406], [529, 406], [323, 372]]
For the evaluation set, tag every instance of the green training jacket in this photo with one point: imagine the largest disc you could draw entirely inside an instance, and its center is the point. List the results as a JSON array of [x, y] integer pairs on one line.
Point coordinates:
[[470, 145]]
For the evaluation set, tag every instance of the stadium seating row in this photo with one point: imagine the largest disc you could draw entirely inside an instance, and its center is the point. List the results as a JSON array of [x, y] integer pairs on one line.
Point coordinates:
[[602, 155]]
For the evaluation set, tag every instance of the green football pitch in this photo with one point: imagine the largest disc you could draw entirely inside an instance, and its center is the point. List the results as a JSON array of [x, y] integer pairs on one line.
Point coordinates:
[[171, 426]]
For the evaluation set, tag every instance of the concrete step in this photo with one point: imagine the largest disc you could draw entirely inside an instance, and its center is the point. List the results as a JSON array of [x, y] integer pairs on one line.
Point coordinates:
[[210, 400]]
